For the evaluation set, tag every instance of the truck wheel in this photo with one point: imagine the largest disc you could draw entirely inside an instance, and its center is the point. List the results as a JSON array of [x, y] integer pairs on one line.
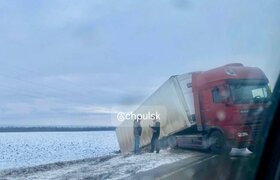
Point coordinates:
[[218, 144]]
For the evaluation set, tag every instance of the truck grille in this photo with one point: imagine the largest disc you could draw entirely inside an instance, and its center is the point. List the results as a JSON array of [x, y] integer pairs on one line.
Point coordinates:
[[256, 130], [256, 113]]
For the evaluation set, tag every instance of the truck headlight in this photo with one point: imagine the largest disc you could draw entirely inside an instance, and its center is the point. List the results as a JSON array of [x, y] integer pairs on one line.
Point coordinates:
[[242, 134]]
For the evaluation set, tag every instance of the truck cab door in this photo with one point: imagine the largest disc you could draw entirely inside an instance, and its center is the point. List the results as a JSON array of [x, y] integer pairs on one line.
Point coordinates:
[[205, 105], [212, 108]]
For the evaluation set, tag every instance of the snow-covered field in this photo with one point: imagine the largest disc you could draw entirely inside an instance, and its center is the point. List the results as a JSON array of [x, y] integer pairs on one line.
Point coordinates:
[[26, 149]]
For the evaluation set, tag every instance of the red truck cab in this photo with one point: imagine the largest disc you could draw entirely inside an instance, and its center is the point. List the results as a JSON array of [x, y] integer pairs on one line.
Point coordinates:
[[230, 102]]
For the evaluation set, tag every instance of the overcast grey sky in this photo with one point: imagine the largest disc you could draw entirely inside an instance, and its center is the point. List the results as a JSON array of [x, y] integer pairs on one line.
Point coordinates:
[[77, 62]]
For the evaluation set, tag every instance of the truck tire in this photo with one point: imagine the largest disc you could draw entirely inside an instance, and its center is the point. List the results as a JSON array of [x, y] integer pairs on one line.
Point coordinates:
[[218, 144]]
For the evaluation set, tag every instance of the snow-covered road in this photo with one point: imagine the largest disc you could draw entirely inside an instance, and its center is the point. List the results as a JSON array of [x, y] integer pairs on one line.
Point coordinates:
[[107, 167]]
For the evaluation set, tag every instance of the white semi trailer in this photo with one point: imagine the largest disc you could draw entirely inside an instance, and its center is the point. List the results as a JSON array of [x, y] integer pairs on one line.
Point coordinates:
[[173, 101]]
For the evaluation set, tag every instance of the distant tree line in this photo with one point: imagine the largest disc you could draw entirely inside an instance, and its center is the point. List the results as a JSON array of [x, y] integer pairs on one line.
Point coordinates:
[[55, 129]]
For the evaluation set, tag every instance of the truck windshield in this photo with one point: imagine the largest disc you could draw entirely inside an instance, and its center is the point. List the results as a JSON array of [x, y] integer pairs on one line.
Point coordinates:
[[244, 93]]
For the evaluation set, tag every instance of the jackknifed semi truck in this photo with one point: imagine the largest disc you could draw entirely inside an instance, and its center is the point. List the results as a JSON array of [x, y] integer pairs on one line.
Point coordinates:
[[215, 110]]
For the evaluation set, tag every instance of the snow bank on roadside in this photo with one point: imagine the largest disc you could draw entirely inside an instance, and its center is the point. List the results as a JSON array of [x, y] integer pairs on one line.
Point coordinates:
[[113, 167], [240, 152], [125, 166]]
